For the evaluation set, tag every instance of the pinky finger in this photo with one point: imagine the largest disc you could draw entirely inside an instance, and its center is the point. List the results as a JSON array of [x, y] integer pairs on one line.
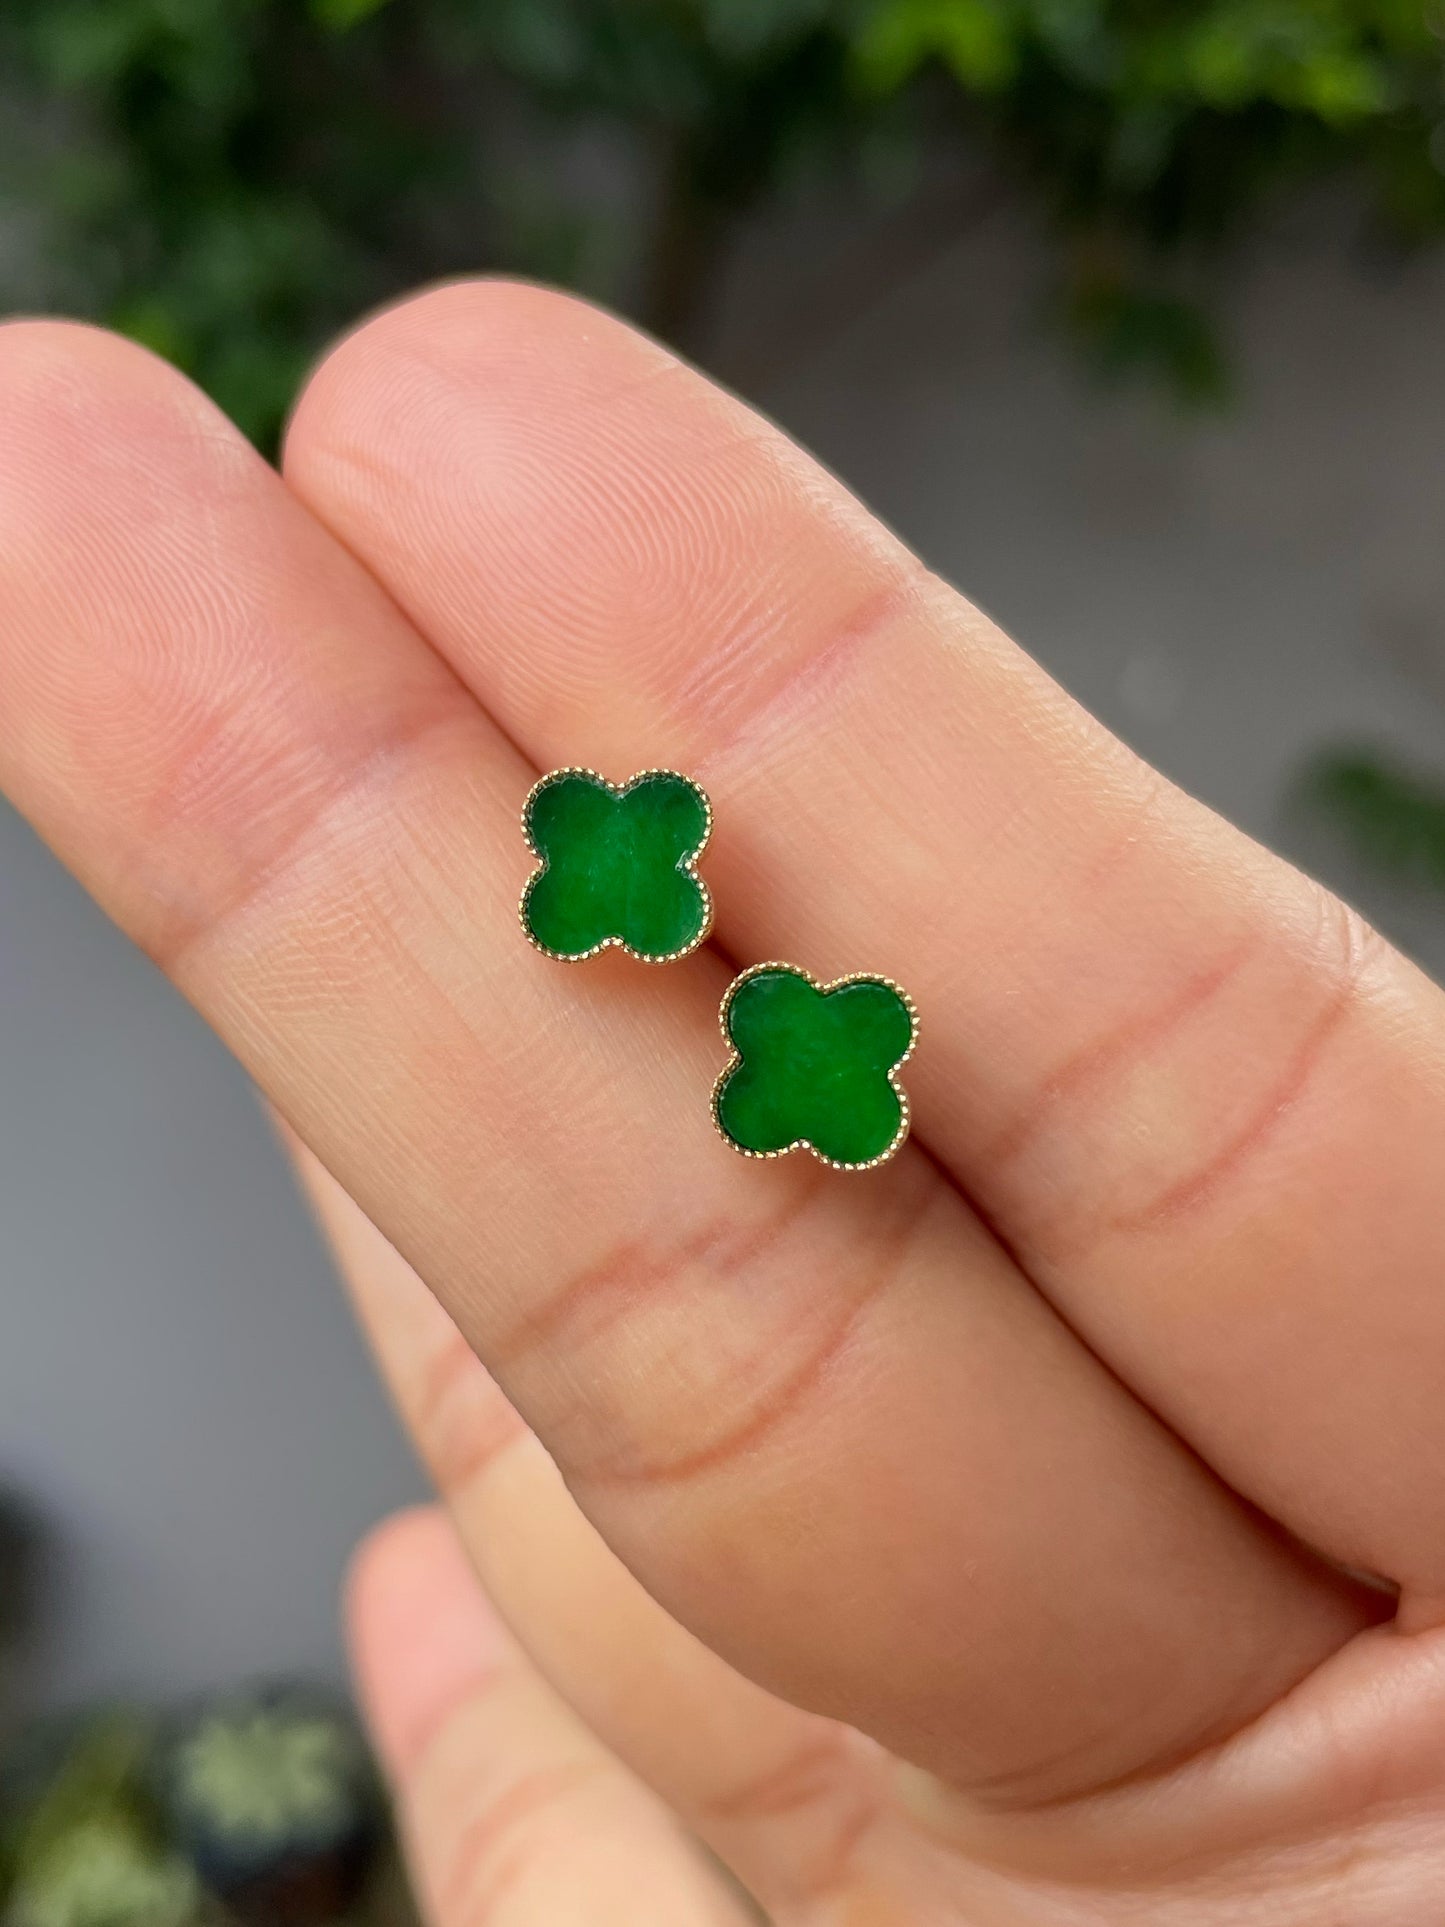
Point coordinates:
[[513, 1814]]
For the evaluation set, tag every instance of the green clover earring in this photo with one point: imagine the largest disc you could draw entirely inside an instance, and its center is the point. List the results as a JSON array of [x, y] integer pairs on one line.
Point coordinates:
[[616, 865], [814, 1066]]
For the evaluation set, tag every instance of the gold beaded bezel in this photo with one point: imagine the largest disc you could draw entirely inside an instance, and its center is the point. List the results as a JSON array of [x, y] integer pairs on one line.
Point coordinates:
[[688, 866], [735, 1057]]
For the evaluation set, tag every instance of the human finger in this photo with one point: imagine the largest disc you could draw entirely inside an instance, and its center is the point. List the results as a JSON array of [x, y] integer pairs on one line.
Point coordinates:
[[512, 1813], [784, 1796], [825, 1421], [1204, 1106]]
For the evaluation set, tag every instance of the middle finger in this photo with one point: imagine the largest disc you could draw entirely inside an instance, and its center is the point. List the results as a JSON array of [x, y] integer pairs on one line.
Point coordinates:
[[1206, 1111]]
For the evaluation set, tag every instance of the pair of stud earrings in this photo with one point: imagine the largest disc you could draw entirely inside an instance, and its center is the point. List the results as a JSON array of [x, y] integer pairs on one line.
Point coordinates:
[[812, 1066]]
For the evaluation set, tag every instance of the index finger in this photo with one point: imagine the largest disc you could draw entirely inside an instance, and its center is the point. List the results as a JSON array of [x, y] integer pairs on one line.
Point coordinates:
[[1203, 1104]]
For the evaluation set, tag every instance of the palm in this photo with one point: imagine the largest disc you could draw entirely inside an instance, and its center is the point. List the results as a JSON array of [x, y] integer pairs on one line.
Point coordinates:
[[1042, 1457]]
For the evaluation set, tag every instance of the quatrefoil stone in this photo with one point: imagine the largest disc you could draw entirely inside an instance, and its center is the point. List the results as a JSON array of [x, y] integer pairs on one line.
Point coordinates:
[[814, 1066], [617, 865]]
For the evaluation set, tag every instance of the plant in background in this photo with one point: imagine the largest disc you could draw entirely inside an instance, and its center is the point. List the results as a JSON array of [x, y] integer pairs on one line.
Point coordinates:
[[91, 1851], [104, 1875], [22, 1546], [263, 1811], [1394, 817], [230, 179], [273, 1803], [1152, 133]]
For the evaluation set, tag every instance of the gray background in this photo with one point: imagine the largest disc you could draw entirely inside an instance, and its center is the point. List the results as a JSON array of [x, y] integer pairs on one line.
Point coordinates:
[[180, 1389]]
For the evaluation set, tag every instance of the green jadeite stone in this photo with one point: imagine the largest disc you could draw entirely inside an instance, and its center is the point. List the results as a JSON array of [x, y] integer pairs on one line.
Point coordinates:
[[615, 864], [814, 1065]]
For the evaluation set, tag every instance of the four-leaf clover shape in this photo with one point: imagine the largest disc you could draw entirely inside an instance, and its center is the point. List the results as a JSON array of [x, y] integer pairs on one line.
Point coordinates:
[[617, 865], [814, 1065]]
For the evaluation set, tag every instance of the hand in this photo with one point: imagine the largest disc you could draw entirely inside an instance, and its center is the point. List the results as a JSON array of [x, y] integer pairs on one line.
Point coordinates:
[[982, 1539]]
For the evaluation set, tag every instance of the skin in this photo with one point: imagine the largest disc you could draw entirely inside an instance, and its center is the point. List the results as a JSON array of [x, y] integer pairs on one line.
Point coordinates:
[[1047, 1530]]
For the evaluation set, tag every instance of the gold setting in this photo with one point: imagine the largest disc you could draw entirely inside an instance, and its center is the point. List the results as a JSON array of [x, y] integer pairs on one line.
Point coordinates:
[[735, 1057], [688, 866]]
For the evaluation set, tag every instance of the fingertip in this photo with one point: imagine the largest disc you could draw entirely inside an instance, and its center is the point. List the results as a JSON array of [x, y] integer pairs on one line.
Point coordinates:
[[96, 427], [423, 1635], [382, 1564], [509, 332], [76, 378], [39, 344], [409, 1575]]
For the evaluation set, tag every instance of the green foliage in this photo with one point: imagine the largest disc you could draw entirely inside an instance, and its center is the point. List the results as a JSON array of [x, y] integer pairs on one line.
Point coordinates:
[[1128, 329], [1153, 132], [91, 1854], [229, 180], [105, 1875], [341, 14], [254, 1810], [1394, 817], [259, 1779], [103, 1777], [214, 174], [22, 1546]]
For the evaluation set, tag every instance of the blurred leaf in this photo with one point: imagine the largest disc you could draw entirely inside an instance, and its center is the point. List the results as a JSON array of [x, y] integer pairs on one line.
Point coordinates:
[[338, 15], [746, 29], [263, 1777], [22, 1551], [103, 1776], [977, 40], [1131, 331], [104, 1874], [150, 322], [1394, 817], [230, 180], [89, 1852]]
